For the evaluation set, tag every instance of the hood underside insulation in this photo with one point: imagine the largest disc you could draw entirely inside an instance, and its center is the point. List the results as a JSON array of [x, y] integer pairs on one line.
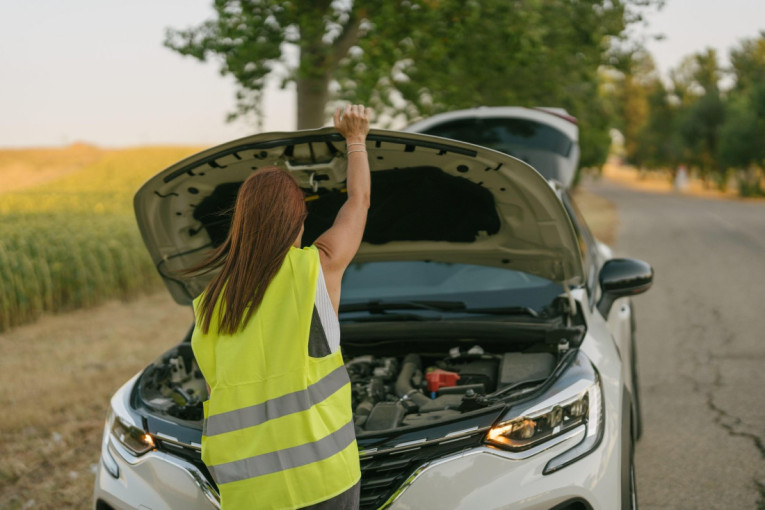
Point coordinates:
[[411, 204]]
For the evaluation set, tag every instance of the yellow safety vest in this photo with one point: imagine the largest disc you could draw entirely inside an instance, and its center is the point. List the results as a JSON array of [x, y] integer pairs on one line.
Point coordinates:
[[278, 429]]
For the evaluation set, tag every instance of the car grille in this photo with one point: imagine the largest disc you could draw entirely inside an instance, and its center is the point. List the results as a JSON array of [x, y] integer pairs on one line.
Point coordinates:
[[382, 473]]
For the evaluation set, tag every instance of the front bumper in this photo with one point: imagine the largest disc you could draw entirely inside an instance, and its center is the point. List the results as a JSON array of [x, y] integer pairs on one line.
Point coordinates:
[[485, 477]]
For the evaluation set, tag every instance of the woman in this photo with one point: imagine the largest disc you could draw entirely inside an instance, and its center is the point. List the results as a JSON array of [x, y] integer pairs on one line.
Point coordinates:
[[278, 430]]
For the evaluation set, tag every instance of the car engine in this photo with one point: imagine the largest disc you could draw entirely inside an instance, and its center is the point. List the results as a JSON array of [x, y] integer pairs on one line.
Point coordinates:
[[391, 392], [174, 386], [388, 392]]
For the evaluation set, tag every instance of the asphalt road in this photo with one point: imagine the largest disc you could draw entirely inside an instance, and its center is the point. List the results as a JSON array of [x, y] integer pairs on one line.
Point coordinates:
[[701, 348]]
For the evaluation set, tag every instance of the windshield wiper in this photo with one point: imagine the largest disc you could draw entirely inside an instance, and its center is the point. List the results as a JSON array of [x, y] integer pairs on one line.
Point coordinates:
[[392, 317], [377, 306], [503, 310]]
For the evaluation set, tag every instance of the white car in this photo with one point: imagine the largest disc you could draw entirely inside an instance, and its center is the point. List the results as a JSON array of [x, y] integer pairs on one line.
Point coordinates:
[[545, 138], [487, 334]]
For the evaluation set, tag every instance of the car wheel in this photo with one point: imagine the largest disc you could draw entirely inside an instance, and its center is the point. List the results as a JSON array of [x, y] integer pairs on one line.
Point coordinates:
[[638, 414]]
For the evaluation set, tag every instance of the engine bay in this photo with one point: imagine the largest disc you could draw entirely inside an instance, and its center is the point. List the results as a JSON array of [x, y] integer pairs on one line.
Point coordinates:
[[173, 385], [387, 391], [414, 390]]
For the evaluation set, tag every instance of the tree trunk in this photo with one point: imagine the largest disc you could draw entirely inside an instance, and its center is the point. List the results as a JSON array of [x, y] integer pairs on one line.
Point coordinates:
[[318, 63], [312, 96]]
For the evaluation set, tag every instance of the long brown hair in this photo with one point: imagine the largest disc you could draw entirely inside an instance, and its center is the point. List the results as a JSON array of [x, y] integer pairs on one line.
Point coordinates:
[[268, 215]]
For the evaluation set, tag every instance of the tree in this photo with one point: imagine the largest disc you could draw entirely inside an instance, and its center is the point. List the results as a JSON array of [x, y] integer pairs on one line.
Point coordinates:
[[627, 85], [702, 112], [741, 145], [742, 134], [657, 140], [748, 63], [525, 53], [411, 58], [251, 39]]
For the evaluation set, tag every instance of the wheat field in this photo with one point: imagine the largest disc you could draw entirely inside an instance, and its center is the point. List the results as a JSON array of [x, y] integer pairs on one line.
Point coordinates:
[[68, 237]]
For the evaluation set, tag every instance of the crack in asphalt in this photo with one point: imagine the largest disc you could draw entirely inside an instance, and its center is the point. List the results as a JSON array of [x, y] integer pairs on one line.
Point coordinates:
[[722, 418], [702, 359], [761, 489], [727, 421]]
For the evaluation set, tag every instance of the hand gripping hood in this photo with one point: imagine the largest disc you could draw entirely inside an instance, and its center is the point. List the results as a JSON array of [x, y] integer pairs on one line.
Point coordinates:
[[432, 199]]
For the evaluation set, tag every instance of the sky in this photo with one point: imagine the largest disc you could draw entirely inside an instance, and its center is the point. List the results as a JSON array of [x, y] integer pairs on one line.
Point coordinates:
[[96, 71]]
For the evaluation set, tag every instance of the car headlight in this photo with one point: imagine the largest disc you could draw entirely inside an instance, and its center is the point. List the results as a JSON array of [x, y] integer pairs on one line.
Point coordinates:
[[135, 440], [572, 406]]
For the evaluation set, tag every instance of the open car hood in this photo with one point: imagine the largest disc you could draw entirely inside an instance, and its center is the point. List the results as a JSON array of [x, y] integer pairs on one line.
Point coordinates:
[[432, 199]]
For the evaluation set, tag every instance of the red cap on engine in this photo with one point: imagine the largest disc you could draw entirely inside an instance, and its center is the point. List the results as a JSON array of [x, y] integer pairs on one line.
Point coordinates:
[[438, 378]]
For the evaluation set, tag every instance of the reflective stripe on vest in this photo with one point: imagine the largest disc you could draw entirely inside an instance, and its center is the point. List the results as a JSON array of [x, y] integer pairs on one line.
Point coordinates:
[[278, 429], [280, 406], [285, 459]]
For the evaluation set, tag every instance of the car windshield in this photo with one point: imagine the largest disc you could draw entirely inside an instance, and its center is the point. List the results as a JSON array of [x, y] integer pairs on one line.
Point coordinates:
[[475, 286]]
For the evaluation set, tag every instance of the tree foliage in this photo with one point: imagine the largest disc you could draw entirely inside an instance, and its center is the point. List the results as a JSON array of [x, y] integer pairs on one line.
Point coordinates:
[[658, 142], [693, 121], [702, 113], [527, 53], [743, 132], [250, 39], [413, 58], [627, 85]]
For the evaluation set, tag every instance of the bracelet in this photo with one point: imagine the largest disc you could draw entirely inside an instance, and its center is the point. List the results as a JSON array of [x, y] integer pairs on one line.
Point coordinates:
[[356, 143], [356, 150]]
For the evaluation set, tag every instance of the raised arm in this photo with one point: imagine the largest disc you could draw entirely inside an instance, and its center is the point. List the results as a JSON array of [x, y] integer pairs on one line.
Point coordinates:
[[339, 244]]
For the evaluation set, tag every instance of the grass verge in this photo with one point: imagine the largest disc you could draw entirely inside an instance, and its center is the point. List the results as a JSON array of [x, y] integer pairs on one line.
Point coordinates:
[[59, 374]]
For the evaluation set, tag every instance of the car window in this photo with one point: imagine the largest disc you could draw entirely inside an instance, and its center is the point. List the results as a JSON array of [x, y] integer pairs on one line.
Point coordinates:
[[473, 284], [505, 135]]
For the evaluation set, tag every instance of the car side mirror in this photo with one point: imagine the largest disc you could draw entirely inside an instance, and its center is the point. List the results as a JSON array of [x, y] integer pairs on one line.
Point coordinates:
[[620, 278]]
